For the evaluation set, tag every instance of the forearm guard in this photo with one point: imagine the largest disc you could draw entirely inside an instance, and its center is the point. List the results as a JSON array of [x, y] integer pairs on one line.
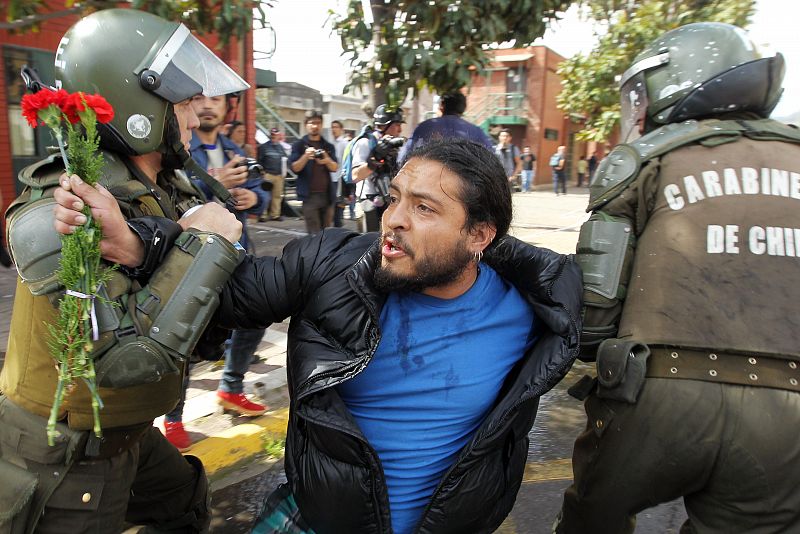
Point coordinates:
[[164, 320], [604, 252]]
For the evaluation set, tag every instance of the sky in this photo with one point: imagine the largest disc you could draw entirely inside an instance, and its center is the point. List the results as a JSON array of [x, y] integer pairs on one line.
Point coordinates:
[[308, 52]]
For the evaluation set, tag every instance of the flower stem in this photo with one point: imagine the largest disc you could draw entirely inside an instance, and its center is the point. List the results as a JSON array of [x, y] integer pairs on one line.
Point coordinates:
[[60, 141]]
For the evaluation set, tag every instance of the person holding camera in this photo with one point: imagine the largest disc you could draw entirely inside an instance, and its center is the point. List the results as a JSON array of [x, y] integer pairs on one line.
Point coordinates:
[[226, 161], [374, 155], [313, 159]]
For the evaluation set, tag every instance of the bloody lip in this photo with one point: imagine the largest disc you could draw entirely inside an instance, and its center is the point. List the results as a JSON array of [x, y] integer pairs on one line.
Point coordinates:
[[391, 249]]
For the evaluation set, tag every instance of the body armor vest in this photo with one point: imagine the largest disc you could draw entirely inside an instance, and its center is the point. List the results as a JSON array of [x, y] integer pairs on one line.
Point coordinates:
[[718, 262], [29, 375]]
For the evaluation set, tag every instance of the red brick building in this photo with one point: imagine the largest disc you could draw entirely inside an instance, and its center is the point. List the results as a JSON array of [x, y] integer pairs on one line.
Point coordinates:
[[21, 145], [518, 92]]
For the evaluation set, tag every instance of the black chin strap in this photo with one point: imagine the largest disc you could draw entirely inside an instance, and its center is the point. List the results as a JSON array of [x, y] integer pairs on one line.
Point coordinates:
[[200, 173]]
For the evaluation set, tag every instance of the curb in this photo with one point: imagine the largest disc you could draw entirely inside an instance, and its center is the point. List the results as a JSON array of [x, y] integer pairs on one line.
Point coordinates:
[[235, 446]]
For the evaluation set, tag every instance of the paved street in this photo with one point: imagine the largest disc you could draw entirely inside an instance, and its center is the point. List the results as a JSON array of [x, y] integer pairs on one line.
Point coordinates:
[[234, 449]]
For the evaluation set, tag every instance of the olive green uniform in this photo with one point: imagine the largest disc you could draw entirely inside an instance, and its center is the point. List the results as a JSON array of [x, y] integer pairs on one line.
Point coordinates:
[[698, 395], [85, 484]]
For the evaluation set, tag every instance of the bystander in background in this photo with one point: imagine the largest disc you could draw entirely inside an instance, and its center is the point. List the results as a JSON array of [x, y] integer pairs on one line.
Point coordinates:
[[528, 159], [508, 154], [583, 169]]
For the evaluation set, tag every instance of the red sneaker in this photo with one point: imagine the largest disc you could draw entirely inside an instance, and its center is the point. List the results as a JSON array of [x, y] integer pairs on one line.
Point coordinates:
[[176, 435], [238, 403]]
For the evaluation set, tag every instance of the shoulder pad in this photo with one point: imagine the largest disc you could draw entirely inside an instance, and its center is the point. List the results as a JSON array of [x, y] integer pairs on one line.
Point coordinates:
[[114, 171], [666, 138], [613, 175], [35, 246], [44, 173], [622, 165]]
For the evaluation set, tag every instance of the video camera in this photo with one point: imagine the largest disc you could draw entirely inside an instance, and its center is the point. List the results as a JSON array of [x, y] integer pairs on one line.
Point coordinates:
[[383, 162]]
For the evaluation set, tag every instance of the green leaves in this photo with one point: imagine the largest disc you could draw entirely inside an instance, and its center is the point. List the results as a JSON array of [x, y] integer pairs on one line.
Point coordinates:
[[419, 43], [589, 86], [227, 18]]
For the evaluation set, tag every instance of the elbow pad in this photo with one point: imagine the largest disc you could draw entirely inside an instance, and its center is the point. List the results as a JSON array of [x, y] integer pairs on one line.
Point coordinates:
[[165, 319], [604, 252]]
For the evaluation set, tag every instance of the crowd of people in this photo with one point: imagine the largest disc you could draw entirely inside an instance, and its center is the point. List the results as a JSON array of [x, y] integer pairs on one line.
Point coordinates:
[[420, 346]]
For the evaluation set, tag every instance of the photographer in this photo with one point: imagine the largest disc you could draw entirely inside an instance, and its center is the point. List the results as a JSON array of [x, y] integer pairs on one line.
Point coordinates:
[[373, 162], [313, 159], [225, 160]]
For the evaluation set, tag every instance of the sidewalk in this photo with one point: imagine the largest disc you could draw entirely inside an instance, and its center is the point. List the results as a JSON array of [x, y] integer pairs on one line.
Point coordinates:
[[225, 442]]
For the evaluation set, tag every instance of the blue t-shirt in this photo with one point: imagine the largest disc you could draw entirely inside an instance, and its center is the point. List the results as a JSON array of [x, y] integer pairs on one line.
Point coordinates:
[[434, 376]]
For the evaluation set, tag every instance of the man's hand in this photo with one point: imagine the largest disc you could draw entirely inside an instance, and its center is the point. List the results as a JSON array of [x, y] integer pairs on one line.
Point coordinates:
[[120, 244], [230, 175], [245, 199], [213, 217]]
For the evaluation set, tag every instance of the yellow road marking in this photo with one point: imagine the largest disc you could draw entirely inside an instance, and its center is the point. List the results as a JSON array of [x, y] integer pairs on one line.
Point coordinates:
[[239, 443]]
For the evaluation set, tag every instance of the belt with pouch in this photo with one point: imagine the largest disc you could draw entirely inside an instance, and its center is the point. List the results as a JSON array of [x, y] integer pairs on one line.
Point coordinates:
[[729, 368]]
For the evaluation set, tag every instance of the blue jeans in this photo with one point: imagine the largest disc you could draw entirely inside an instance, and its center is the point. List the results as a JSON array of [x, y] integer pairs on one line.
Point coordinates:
[[559, 179], [241, 347], [527, 178], [237, 358]]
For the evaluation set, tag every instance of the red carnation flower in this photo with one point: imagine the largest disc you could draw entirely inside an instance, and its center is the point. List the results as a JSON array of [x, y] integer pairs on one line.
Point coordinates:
[[101, 107], [78, 102], [32, 104]]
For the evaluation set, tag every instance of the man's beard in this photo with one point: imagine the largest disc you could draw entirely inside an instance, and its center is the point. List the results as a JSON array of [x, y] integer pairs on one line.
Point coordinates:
[[435, 270], [208, 126]]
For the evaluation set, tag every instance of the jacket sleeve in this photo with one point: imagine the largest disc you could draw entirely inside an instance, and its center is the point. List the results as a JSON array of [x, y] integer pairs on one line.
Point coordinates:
[[266, 289], [297, 152]]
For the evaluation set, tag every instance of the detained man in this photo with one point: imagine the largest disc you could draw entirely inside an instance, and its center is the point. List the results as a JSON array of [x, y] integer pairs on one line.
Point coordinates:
[[416, 357]]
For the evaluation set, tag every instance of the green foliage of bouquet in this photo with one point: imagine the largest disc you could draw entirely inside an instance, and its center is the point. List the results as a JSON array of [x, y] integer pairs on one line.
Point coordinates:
[[81, 271]]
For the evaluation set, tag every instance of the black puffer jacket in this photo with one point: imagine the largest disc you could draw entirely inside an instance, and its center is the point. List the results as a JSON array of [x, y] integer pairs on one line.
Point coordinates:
[[325, 284]]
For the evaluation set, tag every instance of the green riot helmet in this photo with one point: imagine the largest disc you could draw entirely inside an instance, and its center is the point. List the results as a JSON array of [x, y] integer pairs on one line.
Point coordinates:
[[142, 64], [696, 71]]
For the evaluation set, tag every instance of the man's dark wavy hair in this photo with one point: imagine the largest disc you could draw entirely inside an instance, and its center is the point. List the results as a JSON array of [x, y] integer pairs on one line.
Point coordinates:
[[484, 186]]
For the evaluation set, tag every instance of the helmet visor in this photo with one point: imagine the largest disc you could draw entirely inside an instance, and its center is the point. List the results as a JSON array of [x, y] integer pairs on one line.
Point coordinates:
[[184, 68], [633, 101]]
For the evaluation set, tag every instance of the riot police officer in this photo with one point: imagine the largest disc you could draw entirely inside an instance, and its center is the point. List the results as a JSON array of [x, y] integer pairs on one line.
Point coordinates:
[[148, 69], [691, 263]]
